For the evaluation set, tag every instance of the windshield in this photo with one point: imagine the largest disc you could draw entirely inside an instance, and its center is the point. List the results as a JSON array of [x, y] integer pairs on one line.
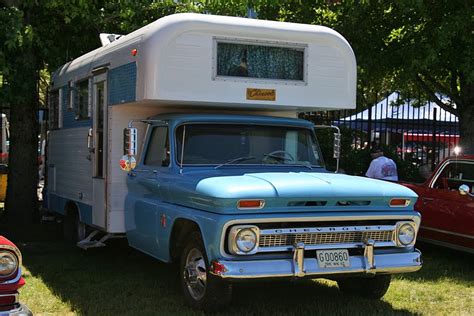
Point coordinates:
[[219, 144]]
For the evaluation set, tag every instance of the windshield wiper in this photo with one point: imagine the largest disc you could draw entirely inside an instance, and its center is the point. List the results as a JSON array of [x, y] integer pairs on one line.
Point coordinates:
[[239, 159]]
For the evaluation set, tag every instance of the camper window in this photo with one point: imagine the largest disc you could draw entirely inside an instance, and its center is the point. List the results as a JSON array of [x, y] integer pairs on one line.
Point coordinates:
[[158, 153], [82, 100], [260, 61], [54, 109]]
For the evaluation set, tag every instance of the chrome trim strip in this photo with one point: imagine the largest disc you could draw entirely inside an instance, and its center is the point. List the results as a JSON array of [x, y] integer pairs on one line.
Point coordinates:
[[385, 263], [326, 246], [338, 229], [415, 218], [446, 232], [443, 166], [16, 295], [15, 279]]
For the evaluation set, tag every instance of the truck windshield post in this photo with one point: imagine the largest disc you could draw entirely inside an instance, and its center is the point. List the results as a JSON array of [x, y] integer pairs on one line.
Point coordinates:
[[182, 150]]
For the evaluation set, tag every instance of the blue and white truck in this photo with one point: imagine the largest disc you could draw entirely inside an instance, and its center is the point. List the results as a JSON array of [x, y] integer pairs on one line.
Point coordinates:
[[220, 175]]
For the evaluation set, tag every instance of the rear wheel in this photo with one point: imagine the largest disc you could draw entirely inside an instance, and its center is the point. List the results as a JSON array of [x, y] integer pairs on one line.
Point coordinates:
[[374, 288], [201, 289], [73, 229]]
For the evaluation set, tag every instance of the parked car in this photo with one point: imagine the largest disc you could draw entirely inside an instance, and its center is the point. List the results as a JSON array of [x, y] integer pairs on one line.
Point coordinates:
[[10, 279], [446, 203]]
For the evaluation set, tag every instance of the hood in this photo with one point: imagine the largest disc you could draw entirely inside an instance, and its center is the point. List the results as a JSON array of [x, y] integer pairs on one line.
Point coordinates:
[[300, 184], [294, 191]]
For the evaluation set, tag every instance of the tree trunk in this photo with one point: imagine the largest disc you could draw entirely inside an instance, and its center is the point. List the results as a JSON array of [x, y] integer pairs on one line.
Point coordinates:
[[21, 202]]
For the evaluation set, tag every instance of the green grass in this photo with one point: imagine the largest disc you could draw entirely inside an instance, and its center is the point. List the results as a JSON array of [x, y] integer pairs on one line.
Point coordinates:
[[117, 280]]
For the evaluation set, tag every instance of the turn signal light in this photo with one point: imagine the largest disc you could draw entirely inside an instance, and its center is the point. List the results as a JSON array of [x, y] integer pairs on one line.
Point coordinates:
[[249, 204], [399, 202], [217, 268]]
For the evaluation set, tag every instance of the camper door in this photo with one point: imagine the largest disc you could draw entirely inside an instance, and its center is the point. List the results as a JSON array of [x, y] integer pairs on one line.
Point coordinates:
[[99, 155]]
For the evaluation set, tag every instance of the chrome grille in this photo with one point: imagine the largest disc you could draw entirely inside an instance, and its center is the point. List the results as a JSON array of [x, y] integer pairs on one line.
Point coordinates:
[[326, 238]]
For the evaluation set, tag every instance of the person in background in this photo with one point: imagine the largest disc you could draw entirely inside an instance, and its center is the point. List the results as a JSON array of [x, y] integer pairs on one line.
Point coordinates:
[[381, 167]]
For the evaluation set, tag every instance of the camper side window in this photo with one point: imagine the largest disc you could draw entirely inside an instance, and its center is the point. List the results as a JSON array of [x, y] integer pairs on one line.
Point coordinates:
[[158, 153], [82, 100], [260, 61], [54, 109]]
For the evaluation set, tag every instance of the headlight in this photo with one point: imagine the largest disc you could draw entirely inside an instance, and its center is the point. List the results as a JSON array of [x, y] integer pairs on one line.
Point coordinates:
[[8, 264], [243, 240], [406, 233]]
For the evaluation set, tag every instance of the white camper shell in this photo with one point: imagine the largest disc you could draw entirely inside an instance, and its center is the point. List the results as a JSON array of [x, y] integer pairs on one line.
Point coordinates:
[[183, 62]]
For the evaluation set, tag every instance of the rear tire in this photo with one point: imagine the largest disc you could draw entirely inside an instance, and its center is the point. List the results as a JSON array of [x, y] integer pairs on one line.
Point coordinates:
[[201, 289], [73, 229], [374, 288]]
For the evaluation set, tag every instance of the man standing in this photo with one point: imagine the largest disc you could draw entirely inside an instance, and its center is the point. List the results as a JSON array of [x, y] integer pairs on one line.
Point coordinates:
[[381, 167]]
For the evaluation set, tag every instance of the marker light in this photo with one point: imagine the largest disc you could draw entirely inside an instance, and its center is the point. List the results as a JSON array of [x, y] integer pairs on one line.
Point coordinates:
[[134, 52], [399, 202], [250, 204]]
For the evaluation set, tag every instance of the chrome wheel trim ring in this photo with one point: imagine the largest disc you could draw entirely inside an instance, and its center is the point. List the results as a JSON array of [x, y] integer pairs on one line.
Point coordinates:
[[195, 274]]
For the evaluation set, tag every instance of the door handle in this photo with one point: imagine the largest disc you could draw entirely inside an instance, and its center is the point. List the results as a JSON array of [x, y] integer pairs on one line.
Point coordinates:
[[90, 145], [425, 199]]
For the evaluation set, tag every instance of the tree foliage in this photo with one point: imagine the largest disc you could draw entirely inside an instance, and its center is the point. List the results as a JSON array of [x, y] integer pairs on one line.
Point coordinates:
[[416, 47]]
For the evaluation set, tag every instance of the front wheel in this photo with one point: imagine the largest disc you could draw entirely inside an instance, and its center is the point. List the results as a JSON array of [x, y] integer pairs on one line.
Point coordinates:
[[373, 288], [201, 289]]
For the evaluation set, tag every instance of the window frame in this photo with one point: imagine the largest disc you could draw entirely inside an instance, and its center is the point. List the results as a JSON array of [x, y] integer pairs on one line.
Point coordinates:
[[255, 42], [75, 98], [150, 133], [440, 171], [176, 158]]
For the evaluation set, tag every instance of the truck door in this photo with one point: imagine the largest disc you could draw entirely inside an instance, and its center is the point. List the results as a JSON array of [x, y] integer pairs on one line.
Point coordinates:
[[99, 156]]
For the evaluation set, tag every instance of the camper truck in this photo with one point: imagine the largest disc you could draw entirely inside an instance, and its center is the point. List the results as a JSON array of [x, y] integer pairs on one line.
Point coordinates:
[[183, 137]]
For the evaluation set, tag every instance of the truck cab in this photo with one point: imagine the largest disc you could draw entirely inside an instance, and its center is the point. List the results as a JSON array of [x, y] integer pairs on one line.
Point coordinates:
[[241, 197]]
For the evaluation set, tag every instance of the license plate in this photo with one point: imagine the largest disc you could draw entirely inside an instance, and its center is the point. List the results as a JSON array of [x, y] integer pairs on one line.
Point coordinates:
[[337, 258]]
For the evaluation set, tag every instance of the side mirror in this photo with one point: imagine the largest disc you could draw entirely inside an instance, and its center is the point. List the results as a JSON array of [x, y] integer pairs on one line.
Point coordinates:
[[465, 190], [128, 161], [130, 141], [337, 145]]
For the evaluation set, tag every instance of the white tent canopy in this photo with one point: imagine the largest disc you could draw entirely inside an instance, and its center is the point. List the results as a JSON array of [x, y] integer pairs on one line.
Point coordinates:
[[388, 108]]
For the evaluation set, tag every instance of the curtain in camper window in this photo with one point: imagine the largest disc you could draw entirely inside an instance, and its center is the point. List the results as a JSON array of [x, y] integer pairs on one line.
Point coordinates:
[[265, 62]]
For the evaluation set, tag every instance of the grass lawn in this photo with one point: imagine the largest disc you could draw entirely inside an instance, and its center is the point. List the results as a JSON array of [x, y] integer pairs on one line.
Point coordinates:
[[116, 280]]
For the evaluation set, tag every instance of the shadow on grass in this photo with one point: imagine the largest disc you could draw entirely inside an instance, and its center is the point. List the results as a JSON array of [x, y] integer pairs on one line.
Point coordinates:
[[440, 263], [119, 280]]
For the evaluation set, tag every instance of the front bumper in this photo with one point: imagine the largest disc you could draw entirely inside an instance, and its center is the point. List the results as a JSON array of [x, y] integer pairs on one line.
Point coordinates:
[[19, 310], [368, 264]]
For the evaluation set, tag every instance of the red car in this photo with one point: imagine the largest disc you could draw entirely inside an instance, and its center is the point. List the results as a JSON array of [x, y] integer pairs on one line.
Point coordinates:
[[446, 203], [10, 279]]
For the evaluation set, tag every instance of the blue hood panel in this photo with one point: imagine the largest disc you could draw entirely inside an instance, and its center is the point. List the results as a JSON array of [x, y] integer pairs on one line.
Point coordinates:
[[279, 189], [301, 184]]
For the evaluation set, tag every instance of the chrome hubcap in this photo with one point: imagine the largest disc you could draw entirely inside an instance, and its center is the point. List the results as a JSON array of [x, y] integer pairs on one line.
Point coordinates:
[[195, 274]]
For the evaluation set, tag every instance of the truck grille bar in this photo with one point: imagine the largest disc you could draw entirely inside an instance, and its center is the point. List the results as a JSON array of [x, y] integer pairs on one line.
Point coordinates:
[[326, 237]]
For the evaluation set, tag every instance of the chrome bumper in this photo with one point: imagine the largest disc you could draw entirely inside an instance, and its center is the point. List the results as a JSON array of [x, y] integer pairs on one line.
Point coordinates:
[[21, 310], [300, 266]]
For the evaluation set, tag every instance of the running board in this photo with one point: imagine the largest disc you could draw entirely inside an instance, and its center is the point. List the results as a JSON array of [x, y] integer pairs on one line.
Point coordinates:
[[88, 242]]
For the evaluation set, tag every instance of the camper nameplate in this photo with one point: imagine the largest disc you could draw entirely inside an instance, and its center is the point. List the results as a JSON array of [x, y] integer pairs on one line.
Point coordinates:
[[261, 94]]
